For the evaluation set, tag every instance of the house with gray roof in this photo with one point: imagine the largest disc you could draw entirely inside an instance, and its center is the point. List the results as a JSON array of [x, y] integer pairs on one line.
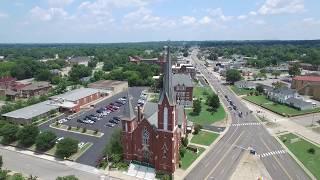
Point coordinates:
[[281, 94], [245, 84], [299, 103]]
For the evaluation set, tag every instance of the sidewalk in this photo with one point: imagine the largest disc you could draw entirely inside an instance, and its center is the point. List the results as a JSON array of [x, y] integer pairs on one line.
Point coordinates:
[[285, 123]]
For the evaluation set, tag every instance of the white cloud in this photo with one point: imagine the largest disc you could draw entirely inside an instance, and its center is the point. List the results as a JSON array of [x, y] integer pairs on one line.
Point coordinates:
[[59, 3], [218, 13], [252, 13], [205, 20], [143, 18], [281, 6], [242, 17], [188, 20], [259, 22], [3, 15], [311, 21], [48, 14]]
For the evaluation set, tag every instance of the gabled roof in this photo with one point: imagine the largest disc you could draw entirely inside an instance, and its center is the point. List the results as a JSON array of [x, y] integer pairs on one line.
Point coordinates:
[[167, 90], [182, 79], [298, 102], [283, 90], [150, 112]]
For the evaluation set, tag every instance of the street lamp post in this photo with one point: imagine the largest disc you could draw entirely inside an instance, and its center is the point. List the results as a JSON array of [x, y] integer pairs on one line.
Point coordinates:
[[314, 106]]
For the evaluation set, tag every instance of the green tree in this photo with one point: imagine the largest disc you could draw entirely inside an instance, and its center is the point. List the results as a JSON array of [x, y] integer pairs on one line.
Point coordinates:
[[44, 75], [98, 75], [79, 71], [9, 133], [17, 176], [27, 135], [1, 162], [276, 74], [66, 147], [45, 141], [259, 88], [197, 106], [213, 102], [114, 148], [4, 174], [70, 177], [233, 75], [294, 70]]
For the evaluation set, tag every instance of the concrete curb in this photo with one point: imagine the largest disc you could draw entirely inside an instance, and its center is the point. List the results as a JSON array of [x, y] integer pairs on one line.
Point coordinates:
[[295, 158], [51, 126]]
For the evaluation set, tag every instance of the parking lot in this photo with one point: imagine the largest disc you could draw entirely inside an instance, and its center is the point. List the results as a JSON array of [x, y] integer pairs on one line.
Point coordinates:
[[91, 156]]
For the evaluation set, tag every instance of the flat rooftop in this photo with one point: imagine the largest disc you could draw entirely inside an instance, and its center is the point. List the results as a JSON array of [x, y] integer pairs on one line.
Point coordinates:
[[76, 94], [102, 84], [32, 111]]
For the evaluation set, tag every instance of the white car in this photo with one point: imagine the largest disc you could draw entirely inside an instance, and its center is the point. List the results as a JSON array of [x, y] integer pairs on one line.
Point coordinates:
[[81, 144], [59, 139]]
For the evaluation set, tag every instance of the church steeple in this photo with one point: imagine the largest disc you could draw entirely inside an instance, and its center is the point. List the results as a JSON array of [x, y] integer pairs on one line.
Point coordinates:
[[128, 110], [167, 90]]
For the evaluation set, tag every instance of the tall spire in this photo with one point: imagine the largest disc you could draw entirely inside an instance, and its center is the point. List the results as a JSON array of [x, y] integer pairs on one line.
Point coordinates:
[[128, 110], [167, 90]]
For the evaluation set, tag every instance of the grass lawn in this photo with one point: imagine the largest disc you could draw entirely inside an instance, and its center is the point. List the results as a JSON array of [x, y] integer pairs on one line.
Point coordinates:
[[300, 150], [241, 91], [190, 157], [281, 109], [205, 117], [204, 138]]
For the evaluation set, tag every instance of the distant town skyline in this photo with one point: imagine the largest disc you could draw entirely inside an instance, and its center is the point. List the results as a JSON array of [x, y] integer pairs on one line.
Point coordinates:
[[107, 21]]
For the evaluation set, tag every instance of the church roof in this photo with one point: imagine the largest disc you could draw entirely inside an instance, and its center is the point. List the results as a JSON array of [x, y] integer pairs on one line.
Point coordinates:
[[128, 110], [150, 111], [167, 90]]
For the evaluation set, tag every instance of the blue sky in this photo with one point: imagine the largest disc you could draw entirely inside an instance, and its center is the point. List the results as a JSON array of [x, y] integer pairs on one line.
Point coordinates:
[[99, 21]]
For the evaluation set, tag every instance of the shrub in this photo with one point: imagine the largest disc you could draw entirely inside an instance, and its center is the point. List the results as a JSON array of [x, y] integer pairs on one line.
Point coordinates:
[[71, 177], [69, 128], [66, 147], [96, 131], [27, 135], [185, 141], [78, 127], [45, 141], [182, 151], [9, 133], [197, 128], [1, 162], [311, 151], [84, 130]]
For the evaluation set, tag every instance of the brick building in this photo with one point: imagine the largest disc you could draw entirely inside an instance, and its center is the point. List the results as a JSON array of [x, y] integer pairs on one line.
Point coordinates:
[[183, 89], [184, 69], [307, 85], [36, 88], [152, 135]]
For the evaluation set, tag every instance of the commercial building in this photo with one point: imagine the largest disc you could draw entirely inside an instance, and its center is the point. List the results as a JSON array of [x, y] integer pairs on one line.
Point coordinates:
[[28, 114], [184, 69], [110, 86], [153, 135], [183, 89], [72, 101], [307, 85]]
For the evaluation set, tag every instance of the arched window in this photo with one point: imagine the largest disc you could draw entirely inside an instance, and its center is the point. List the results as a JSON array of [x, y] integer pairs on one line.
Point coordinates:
[[145, 136], [165, 118]]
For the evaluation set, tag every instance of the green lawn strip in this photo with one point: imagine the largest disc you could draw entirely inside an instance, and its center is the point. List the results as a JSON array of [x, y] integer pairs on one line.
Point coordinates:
[[80, 151], [204, 138], [205, 117], [280, 109], [79, 130], [241, 91], [300, 150], [190, 157]]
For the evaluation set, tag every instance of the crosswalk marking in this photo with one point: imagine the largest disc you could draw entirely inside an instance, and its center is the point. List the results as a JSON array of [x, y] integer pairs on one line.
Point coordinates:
[[246, 124], [272, 153]]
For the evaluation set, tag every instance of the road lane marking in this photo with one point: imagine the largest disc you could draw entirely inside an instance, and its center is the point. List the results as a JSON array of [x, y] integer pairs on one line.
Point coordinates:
[[284, 170], [231, 147], [271, 153], [246, 124]]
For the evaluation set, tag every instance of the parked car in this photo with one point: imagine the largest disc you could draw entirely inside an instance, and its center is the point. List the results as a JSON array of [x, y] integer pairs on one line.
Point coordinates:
[[109, 125], [113, 121], [116, 118], [59, 139]]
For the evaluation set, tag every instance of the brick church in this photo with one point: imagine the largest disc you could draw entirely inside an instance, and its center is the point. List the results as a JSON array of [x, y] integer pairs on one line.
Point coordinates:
[[152, 135]]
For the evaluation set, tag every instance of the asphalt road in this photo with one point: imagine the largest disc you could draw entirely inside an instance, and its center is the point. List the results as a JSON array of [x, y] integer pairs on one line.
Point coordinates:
[[224, 157], [44, 169], [95, 152]]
